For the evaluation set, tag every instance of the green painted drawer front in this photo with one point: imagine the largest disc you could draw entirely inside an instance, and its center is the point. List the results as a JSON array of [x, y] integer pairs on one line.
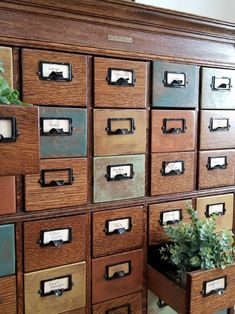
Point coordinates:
[[119, 177], [175, 85], [63, 132], [7, 250], [218, 89]]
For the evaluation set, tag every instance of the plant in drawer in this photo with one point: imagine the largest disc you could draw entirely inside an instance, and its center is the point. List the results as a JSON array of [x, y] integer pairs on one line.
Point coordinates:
[[196, 269]]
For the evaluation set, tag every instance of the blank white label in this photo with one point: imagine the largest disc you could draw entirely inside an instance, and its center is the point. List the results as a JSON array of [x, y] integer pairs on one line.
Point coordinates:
[[56, 235], [57, 284], [171, 216], [217, 161], [6, 128], [174, 166], [220, 81], [117, 74], [219, 123], [120, 170], [47, 68], [175, 77], [215, 285], [49, 124], [118, 224], [215, 209]]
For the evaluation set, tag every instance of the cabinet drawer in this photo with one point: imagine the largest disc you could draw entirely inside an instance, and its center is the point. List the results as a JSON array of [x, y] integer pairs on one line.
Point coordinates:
[[19, 140], [77, 311], [217, 89], [7, 250], [173, 130], [116, 275], [124, 305], [60, 183], [217, 129], [63, 132], [175, 85], [165, 213], [117, 230], [54, 242], [120, 83], [172, 173], [119, 132], [55, 290], [120, 177], [216, 168], [54, 78], [6, 59], [7, 195], [8, 295], [222, 205]]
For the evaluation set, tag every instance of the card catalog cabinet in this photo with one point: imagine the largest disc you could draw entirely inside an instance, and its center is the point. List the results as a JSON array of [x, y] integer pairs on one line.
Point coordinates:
[[8, 295], [7, 195], [7, 250]]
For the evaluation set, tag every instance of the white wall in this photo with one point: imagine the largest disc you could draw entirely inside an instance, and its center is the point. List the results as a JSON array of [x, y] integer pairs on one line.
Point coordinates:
[[217, 9]]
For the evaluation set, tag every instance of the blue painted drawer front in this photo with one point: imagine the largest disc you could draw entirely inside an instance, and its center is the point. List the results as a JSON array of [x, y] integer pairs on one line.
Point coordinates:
[[7, 250], [166, 94], [63, 145]]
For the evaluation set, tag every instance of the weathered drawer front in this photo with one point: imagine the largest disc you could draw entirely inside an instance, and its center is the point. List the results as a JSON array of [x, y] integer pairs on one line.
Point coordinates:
[[217, 129], [120, 83], [120, 177], [124, 305], [175, 85], [119, 132], [63, 132], [172, 173], [165, 213], [8, 295], [77, 311], [6, 59], [19, 143], [43, 289], [53, 78], [216, 168], [53, 242], [116, 275], [7, 195], [60, 183], [7, 250], [173, 130], [117, 230], [217, 91], [222, 205]]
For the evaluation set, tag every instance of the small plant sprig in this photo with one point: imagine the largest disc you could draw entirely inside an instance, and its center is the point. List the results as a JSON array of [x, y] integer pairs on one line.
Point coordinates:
[[7, 94], [197, 245]]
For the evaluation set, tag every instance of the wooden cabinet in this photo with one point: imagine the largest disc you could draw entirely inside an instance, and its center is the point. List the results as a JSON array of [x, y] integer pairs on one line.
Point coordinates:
[[7, 250], [7, 195], [8, 295]]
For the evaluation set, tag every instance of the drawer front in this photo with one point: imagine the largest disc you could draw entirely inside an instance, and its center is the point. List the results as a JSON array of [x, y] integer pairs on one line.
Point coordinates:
[[175, 85], [157, 305], [7, 195], [217, 129], [165, 213], [63, 132], [216, 168], [53, 242], [120, 177], [53, 78], [60, 183], [116, 275], [77, 311], [221, 205], [173, 130], [7, 250], [217, 91], [172, 173], [19, 140], [6, 59], [117, 230], [119, 132], [124, 305], [8, 295], [55, 290], [120, 83]]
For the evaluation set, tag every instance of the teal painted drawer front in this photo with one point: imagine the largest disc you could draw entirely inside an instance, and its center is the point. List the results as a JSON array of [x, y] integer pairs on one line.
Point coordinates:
[[119, 177], [63, 132], [218, 89], [7, 250], [175, 85]]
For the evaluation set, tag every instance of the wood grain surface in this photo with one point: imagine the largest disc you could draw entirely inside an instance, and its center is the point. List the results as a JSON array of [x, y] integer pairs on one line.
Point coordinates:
[[8, 295], [120, 96], [40, 257], [42, 198], [120, 305], [77, 311], [59, 93], [22, 156], [115, 243], [7, 195], [172, 184]]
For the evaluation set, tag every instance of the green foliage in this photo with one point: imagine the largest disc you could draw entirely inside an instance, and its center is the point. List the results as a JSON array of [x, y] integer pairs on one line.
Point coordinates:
[[197, 245], [7, 94]]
